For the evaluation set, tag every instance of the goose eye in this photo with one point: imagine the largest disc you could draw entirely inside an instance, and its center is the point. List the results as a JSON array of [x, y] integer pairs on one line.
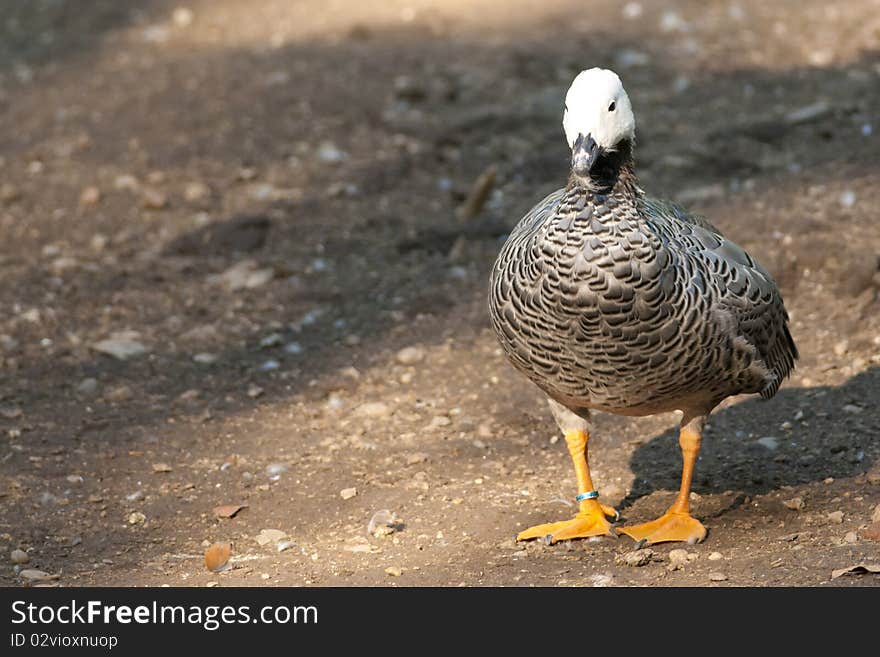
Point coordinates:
[[612, 106]]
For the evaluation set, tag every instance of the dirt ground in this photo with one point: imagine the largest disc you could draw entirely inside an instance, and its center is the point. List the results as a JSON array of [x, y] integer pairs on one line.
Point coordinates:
[[259, 203]]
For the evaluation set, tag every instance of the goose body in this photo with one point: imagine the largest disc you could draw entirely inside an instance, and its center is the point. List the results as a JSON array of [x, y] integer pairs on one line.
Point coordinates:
[[610, 300]]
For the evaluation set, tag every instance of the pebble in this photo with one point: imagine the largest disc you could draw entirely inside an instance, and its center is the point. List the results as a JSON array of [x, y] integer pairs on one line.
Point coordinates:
[[281, 546], [276, 469], [873, 475], [293, 348], [381, 523], [851, 537], [374, 409], [154, 199], [9, 193], [678, 558], [244, 276], [439, 421], [119, 394], [632, 10], [136, 518], [267, 536], [195, 192], [637, 558], [716, 556], [852, 409], [126, 182], [394, 571], [33, 575], [205, 358], [876, 516], [87, 386], [836, 517], [769, 442], [410, 355], [90, 196], [254, 391], [328, 152], [348, 493], [270, 365], [271, 340], [808, 112], [122, 346], [795, 503], [182, 17], [717, 577], [19, 557], [136, 496], [848, 198]]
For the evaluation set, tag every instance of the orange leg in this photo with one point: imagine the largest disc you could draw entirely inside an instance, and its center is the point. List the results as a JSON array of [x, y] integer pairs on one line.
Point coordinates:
[[676, 524], [590, 520]]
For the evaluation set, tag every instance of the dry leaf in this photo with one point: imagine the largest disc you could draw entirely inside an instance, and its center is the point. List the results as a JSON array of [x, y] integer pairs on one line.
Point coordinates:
[[161, 467], [217, 557], [228, 510], [858, 569]]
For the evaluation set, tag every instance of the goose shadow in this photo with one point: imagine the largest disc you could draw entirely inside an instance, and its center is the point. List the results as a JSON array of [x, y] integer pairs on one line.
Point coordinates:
[[800, 436]]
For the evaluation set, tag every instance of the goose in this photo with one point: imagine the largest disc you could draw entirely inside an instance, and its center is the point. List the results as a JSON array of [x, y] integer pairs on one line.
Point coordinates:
[[609, 300]]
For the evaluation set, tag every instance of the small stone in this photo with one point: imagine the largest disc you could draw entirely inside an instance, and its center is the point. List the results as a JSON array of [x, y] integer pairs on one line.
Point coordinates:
[[90, 196], [808, 112], [136, 496], [270, 365], [122, 345], [828, 481], [254, 391], [267, 536], [416, 457], [126, 182], [410, 355], [637, 558], [836, 517], [119, 394], [769, 442], [374, 409], [716, 556], [393, 571], [271, 340], [196, 192], [717, 577], [873, 475], [136, 518], [852, 409], [182, 17], [154, 199], [293, 348], [795, 503], [439, 421], [678, 558], [9, 193], [274, 469], [840, 348], [244, 276], [851, 537], [10, 411], [875, 517], [205, 358], [19, 557], [848, 198], [33, 575], [281, 546], [160, 468], [348, 493], [328, 152], [87, 386], [382, 523]]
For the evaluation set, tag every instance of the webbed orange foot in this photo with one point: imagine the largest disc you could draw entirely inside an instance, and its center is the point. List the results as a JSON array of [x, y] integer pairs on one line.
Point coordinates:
[[671, 526], [583, 525]]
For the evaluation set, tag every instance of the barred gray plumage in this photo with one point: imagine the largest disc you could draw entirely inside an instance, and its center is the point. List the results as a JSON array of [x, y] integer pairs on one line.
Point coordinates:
[[610, 300]]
